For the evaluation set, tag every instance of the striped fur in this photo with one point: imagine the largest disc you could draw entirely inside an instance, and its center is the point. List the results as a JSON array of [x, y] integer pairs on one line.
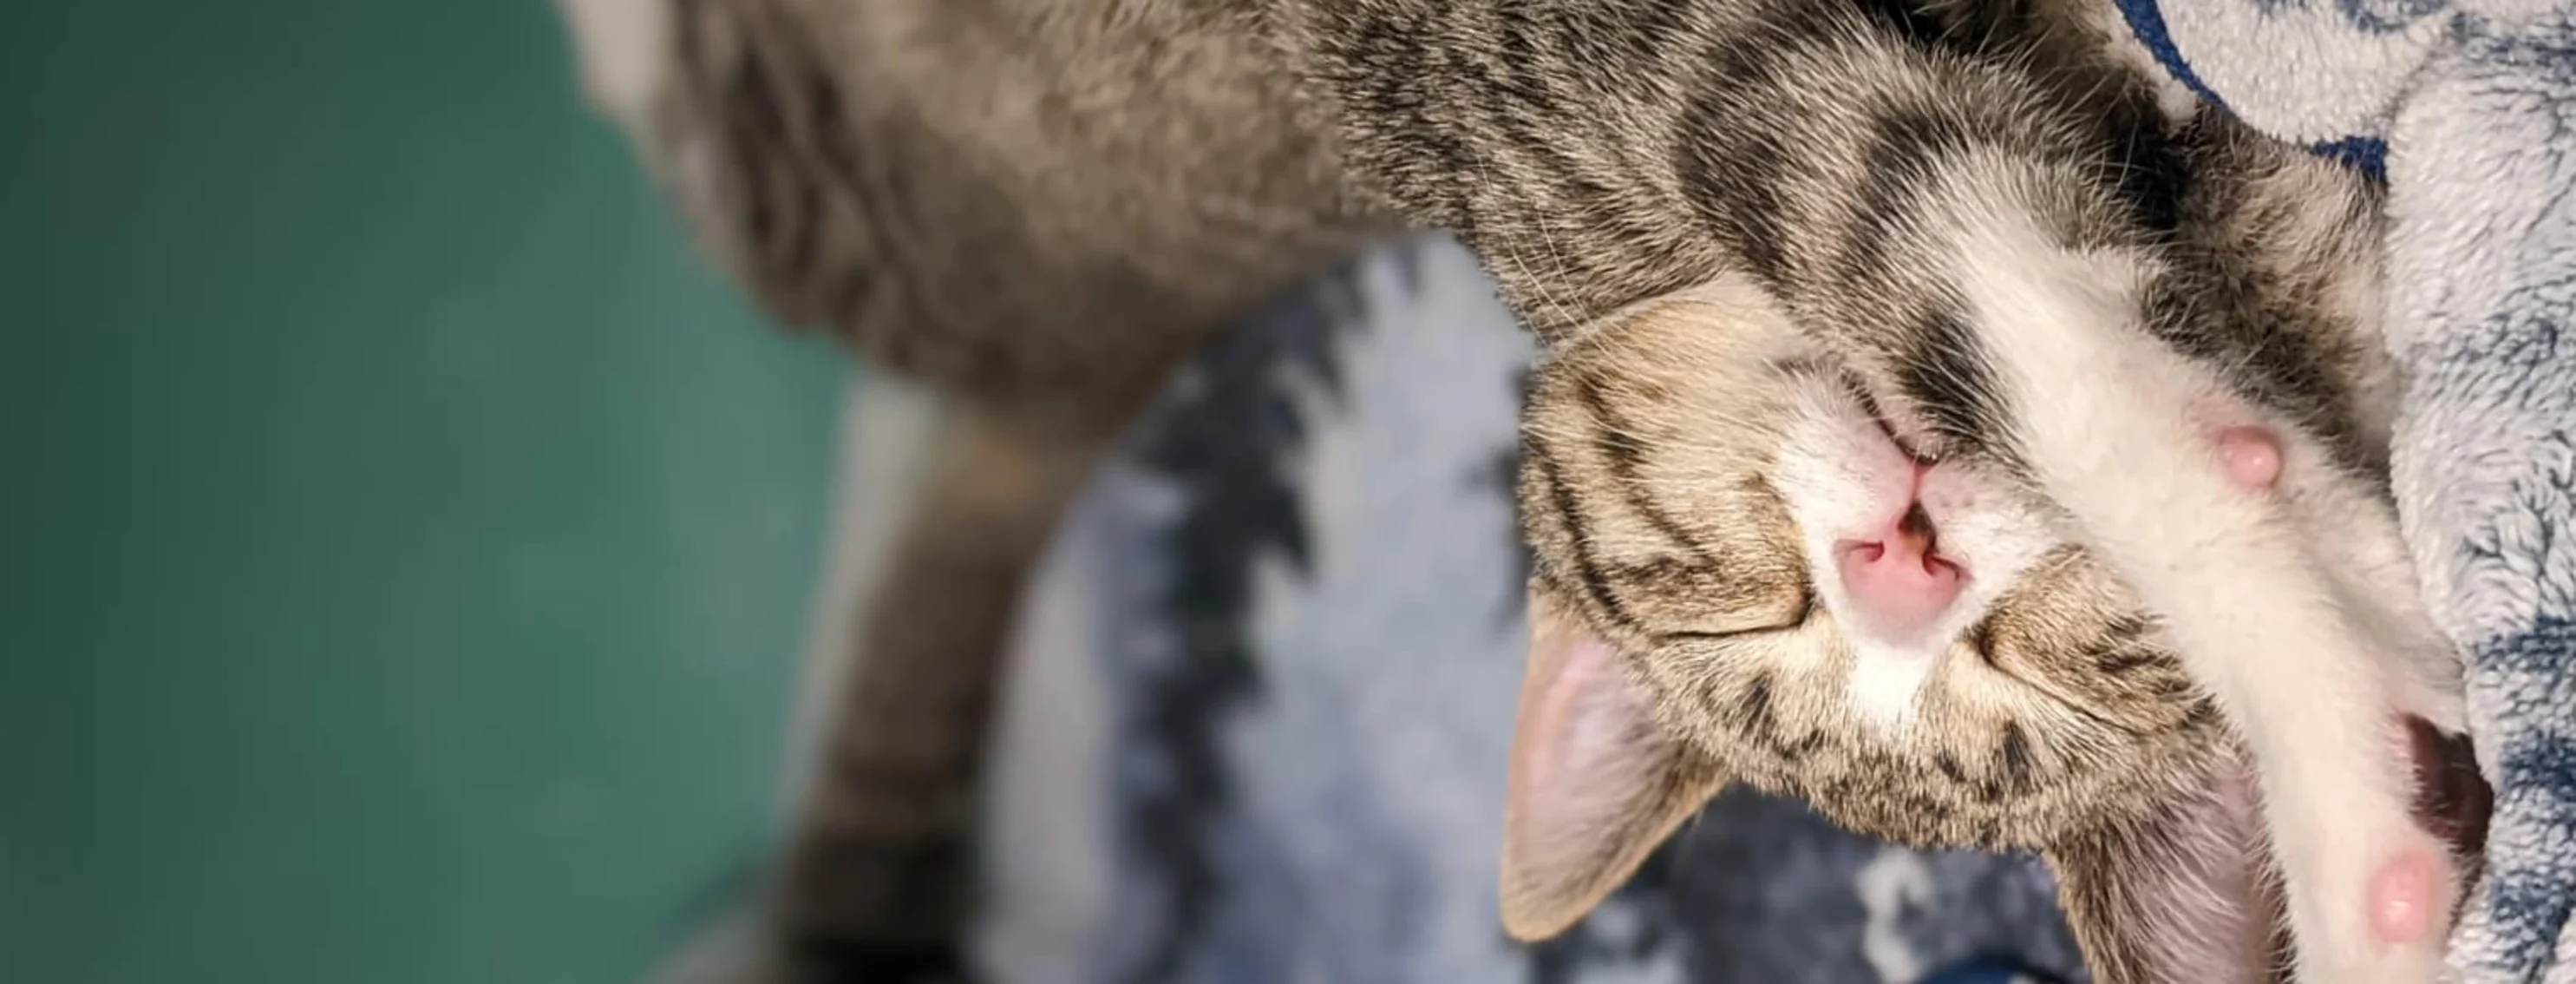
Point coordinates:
[[1042, 206], [971, 193]]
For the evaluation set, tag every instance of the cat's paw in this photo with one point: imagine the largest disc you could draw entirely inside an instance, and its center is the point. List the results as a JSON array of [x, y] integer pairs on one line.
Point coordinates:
[[2350, 927], [2374, 895], [2250, 457]]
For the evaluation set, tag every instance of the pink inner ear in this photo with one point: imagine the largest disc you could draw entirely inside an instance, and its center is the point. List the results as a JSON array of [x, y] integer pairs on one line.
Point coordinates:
[[2185, 894], [1594, 784], [1572, 699]]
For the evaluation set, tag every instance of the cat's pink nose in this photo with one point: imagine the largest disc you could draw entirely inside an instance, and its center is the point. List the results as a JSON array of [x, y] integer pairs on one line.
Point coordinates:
[[1899, 584]]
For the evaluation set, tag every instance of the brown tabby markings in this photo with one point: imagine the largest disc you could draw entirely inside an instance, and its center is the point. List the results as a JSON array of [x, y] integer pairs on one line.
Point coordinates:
[[1780, 723], [1042, 206]]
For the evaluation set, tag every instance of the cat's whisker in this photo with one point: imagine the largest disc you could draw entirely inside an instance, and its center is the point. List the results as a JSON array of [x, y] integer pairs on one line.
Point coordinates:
[[1565, 315]]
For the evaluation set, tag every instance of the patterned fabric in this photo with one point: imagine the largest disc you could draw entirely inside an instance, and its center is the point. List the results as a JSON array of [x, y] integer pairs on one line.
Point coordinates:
[[1266, 693], [2473, 107]]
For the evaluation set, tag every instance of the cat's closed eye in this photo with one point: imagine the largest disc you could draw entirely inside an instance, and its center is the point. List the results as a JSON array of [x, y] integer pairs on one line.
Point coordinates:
[[1737, 513], [1755, 620]]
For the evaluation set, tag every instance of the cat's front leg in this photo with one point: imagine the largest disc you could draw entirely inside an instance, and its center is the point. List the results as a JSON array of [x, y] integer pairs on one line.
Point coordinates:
[[2319, 697], [2293, 607], [2406, 896]]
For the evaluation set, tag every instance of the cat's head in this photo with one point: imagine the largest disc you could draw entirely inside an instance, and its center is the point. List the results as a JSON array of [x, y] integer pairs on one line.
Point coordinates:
[[1746, 575]]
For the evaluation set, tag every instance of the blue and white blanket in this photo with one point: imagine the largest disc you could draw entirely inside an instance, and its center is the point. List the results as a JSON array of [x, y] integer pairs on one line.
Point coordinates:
[[2467, 109]]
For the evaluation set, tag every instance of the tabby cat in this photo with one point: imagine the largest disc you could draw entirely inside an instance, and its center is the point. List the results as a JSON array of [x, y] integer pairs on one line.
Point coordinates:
[[1869, 461], [1817, 610]]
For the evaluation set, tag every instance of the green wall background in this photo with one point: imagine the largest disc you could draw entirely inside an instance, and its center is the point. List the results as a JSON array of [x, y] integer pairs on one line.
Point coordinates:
[[407, 540]]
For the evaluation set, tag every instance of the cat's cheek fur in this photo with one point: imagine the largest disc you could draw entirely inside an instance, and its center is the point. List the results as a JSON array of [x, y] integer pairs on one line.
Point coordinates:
[[1595, 785], [2259, 592]]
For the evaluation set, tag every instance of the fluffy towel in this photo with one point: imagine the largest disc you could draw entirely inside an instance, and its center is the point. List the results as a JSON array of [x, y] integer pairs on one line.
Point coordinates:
[[2468, 111]]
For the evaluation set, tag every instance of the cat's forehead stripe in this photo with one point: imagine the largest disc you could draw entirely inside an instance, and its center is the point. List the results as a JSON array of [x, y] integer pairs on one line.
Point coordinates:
[[1623, 447], [1578, 542]]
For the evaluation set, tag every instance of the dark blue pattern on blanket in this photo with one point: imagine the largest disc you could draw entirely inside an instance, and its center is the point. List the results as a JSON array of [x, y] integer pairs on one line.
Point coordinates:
[[2362, 152], [2388, 16], [1761, 889], [1307, 744], [1223, 445]]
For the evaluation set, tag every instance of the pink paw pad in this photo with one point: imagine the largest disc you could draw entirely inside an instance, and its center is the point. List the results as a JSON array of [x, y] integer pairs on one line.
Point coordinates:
[[2404, 897], [2251, 457]]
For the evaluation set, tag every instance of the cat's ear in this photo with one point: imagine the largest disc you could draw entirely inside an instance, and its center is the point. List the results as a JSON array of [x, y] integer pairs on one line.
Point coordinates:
[[1595, 785], [2185, 891]]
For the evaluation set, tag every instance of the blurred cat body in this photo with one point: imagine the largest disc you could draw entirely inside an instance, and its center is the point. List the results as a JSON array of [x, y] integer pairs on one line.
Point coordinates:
[[1884, 342]]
